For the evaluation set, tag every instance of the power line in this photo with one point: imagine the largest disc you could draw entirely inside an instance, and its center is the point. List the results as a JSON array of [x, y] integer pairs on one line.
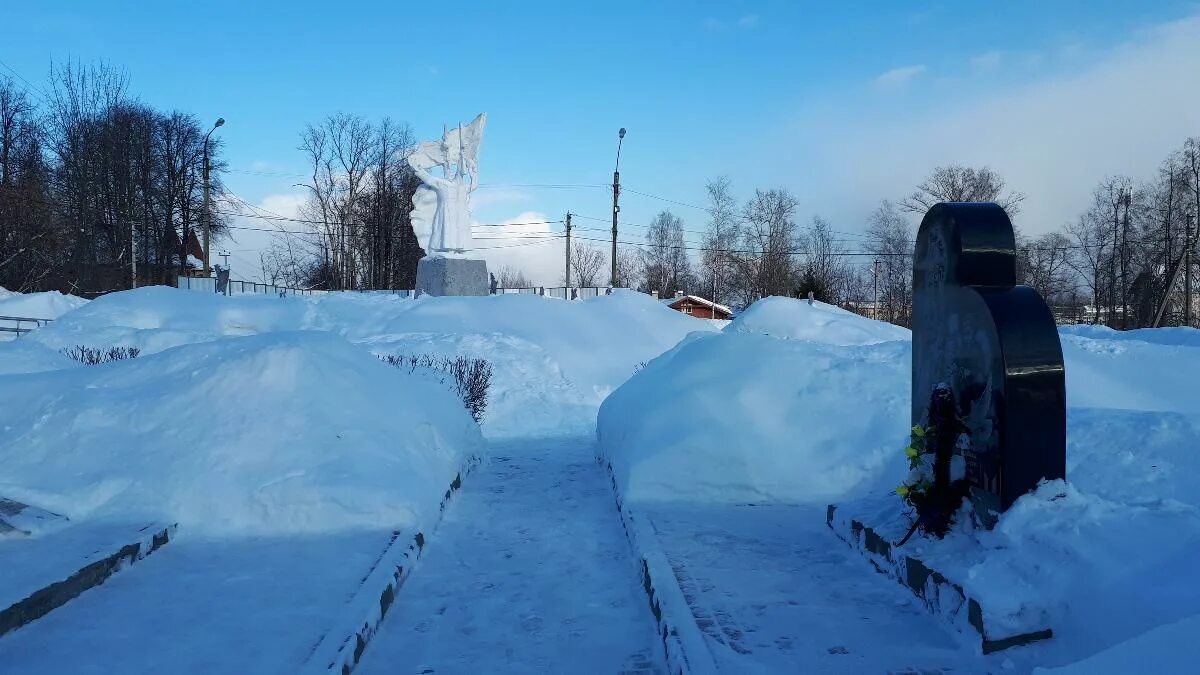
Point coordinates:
[[33, 86], [353, 225]]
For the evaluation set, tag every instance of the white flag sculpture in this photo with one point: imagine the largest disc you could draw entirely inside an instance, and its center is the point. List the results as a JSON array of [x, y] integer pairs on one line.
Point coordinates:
[[441, 215]]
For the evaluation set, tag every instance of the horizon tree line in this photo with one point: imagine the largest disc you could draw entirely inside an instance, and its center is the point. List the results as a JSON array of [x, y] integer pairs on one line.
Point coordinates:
[[99, 191]]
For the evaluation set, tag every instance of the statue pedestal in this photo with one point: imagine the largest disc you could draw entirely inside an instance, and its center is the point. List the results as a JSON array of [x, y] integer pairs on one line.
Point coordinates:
[[452, 276]]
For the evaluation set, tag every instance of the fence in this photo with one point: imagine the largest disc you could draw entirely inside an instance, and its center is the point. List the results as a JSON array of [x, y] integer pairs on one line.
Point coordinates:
[[209, 285], [560, 292], [20, 324]]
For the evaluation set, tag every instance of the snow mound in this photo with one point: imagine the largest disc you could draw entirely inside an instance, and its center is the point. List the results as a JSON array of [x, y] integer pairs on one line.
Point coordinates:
[[1115, 372], [819, 322], [737, 417], [554, 361], [45, 305], [1170, 648], [290, 432], [155, 318], [1177, 336], [27, 356]]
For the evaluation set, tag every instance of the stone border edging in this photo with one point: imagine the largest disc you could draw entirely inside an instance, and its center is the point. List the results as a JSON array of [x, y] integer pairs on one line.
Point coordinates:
[[941, 596], [375, 595], [49, 598], [683, 644]]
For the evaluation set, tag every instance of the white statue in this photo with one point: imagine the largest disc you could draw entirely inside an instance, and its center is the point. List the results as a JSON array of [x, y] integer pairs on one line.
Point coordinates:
[[441, 215]]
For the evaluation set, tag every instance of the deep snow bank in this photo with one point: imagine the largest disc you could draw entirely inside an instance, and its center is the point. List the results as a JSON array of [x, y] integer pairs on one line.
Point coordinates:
[[45, 305], [737, 417], [798, 320], [27, 356], [554, 360], [289, 432]]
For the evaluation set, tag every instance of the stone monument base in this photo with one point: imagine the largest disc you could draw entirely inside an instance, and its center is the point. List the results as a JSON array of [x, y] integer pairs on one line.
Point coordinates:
[[452, 276], [945, 597]]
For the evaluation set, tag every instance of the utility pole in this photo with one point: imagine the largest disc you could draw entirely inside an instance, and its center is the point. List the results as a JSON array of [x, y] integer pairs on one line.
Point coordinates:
[[1125, 261], [568, 274], [875, 303], [207, 210], [616, 205], [132, 256], [1189, 226]]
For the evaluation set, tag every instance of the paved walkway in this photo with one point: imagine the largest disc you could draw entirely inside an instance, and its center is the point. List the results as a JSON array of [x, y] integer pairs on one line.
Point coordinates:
[[529, 572], [774, 591]]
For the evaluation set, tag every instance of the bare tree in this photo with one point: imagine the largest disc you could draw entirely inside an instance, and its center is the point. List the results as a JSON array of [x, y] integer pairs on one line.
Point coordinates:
[[890, 240], [586, 264], [665, 260], [825, 273], [717, 263], [769, 242], [26, 230], [511, 277], [956, 183], [340, 151], [629, 267], [1047, 266]]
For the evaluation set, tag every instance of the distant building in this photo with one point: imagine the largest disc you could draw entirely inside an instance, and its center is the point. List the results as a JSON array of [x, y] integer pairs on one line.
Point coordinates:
[[694, 305]]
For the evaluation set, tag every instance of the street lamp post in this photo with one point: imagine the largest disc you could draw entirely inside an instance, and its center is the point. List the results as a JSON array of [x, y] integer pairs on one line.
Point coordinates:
[[875, 302], [616, 205], [207, 207]]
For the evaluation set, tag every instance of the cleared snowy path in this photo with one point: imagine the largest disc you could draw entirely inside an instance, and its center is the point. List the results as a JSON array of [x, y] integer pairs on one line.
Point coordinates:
[[253, 605], [529, 572], [774, 591]]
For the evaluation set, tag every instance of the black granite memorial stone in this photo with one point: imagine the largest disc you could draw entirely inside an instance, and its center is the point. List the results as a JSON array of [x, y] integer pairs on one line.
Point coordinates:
[[994, 344]]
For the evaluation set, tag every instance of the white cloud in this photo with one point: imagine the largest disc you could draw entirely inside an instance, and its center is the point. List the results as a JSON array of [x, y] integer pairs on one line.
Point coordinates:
[[898, 77], [748, 21], [986, 60], [745, 22], [525, 242], [491, 196], [1052, 140], [244, 245]]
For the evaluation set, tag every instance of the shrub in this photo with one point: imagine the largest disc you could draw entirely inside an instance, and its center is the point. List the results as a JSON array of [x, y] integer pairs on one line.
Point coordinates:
[[93, 356], [472, 377]]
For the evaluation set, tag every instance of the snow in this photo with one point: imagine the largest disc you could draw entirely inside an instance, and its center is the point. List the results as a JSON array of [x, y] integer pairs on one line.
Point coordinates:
[[528, 572], [27, 356], [288, 454], [284, 432], [554, 361], [736, 417], [820, 322], [44, 305], [1170, 648], [802, 405]]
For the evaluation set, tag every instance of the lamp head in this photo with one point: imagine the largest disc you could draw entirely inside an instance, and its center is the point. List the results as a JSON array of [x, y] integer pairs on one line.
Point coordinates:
[[220, 121], [621, 133]]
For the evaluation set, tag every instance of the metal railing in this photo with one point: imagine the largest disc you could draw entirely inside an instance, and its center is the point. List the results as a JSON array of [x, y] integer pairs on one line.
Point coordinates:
[[560, 292], [209, 285], [13, 324]]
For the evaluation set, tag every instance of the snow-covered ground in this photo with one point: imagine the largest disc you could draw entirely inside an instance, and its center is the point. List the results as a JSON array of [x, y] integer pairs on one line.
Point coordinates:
[[554, 360], [288, 454], [42, 306], [45, 305], [529, 573], [282, 432], [803, 405]]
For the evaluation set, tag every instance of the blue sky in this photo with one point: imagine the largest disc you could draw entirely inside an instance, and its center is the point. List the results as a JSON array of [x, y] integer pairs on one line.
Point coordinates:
[[843, 103]]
